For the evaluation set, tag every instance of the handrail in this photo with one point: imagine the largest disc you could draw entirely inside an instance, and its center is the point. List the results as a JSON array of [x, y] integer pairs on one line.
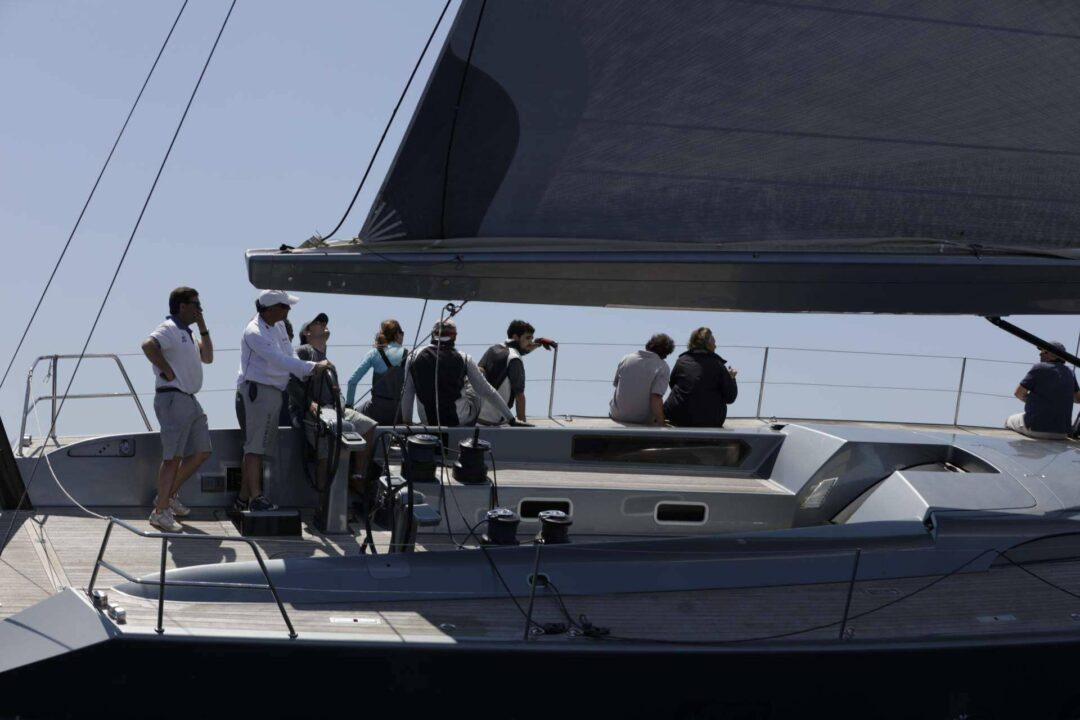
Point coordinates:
[[161, 583], [54, 362], [761, 381]]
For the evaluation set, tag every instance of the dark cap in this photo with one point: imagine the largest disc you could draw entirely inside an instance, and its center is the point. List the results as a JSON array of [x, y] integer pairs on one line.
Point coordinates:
[[320, 318], [1058, 347]]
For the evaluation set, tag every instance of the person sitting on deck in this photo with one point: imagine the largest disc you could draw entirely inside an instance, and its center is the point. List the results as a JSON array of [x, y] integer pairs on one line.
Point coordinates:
[[447, 383], [640, 383], [387, 364], [702, 386], [503, 368], [308, 396], [1048, 390]]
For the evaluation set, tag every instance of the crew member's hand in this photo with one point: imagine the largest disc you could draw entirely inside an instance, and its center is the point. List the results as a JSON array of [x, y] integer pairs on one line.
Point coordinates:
[[322, 365], [314, 408], [168, 374], [732, 372], [200, 321], [546, 343]]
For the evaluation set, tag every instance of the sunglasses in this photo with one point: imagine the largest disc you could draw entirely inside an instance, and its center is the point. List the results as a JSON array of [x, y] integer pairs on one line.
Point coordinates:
[[196, 303]]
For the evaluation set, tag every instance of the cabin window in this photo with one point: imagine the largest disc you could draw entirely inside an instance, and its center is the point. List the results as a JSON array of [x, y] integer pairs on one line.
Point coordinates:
[[530, 508], [713, 452], [681, 513]]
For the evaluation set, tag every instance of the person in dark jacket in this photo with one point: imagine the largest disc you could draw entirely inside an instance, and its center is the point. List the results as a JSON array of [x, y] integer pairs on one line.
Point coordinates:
[[1048, 392], [702, 385]]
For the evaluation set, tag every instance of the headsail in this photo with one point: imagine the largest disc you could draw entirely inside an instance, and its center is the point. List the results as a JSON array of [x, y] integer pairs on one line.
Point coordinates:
[[914, 141]]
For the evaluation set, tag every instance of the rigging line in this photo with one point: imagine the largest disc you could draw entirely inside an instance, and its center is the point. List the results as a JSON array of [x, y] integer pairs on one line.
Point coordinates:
[[453, 123], [389, 123], [119, 265], [93, 189]]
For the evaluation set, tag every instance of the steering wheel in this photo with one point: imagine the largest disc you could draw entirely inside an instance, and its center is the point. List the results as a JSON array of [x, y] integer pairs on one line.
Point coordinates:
[[327, 430]]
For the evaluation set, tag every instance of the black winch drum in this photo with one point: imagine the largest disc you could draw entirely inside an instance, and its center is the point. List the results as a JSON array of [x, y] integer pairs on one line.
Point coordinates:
[[418, 458], [555, 527], [502, 525]]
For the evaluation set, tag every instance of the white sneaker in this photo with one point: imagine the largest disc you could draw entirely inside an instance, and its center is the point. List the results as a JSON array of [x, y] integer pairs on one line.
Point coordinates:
[[164, 520], [178, 508]]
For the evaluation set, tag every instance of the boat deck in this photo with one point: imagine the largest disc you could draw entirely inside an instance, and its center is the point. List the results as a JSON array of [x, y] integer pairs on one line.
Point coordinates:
[[51, 550], [581, 421]]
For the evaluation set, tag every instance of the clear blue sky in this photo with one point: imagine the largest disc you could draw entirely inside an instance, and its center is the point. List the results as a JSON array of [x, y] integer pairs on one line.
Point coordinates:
[[277, 139]]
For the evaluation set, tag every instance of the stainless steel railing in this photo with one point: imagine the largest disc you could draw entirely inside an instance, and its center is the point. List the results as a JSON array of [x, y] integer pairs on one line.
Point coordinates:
[[53, 396], [101, 562]]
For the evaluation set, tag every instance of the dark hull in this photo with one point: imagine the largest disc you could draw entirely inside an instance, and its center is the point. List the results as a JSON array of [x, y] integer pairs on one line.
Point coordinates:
[[268, 678]]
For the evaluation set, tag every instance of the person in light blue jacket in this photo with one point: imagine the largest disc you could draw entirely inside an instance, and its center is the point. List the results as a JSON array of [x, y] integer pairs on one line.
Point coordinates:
[[387, 362]]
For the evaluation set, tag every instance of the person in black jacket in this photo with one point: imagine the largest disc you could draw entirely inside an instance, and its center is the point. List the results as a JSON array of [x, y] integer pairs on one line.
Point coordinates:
[[702, 385]]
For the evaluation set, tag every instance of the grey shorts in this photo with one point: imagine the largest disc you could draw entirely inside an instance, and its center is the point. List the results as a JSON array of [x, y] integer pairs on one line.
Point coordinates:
[[352, 421], [184, 430], [260, 418]]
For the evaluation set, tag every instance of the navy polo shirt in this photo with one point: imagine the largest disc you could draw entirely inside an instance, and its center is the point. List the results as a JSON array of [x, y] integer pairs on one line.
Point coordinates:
[[1048, 407]]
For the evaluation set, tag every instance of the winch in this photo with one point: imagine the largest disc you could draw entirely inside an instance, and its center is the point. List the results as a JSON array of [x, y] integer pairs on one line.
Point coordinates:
[[555, 527], [418, 458], [502, 525], [470, 468]]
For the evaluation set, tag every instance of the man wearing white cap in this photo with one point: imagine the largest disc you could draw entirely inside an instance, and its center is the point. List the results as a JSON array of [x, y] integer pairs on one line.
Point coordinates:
[[267, 359]]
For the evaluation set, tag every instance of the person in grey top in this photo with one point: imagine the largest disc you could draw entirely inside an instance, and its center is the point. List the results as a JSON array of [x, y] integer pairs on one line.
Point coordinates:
[[640, 382]]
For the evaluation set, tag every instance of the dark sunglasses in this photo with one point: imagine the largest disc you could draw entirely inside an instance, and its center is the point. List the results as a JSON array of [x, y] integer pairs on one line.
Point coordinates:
[[196, 303], [284, 306]]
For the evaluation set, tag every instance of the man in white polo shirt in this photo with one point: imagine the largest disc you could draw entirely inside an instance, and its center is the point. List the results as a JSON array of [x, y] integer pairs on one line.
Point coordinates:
[[267, 359], [185, 436]]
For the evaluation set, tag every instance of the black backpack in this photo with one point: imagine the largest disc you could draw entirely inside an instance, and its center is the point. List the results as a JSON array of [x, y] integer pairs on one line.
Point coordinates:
[[386, 392]]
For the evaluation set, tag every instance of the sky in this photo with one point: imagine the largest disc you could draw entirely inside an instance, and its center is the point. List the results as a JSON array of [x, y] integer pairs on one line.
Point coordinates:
[[276, 141]]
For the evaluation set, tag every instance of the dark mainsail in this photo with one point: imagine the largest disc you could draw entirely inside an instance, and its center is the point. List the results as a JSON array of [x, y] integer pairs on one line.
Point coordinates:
[[932, 147]]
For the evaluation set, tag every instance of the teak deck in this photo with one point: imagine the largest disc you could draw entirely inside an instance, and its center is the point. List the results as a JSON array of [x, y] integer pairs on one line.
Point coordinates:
[[50, 550]]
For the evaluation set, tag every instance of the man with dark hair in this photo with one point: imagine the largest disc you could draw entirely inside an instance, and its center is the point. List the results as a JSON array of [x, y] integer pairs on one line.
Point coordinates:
[[448, 383], [267, 359], [185, 436], [307, 397], [1048, 391], [640, 383], [504, 369]]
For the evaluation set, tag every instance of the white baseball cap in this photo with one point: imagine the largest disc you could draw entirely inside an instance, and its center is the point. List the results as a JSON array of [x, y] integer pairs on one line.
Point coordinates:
[[269, 298]]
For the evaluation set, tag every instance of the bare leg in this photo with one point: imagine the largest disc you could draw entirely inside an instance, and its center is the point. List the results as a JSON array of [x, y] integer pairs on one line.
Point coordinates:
[[187, 468], [251, 476], [166, 476]]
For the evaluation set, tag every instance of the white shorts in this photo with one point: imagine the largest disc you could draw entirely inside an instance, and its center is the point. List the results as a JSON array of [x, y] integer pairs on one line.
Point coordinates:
[[1016, 423]]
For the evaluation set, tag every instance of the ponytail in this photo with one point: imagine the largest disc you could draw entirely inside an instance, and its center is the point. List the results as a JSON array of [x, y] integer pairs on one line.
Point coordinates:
[[388, 330]]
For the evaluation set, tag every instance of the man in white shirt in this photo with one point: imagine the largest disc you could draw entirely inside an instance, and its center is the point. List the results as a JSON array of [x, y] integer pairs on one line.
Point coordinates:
[[185, 436], [267, 359]]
